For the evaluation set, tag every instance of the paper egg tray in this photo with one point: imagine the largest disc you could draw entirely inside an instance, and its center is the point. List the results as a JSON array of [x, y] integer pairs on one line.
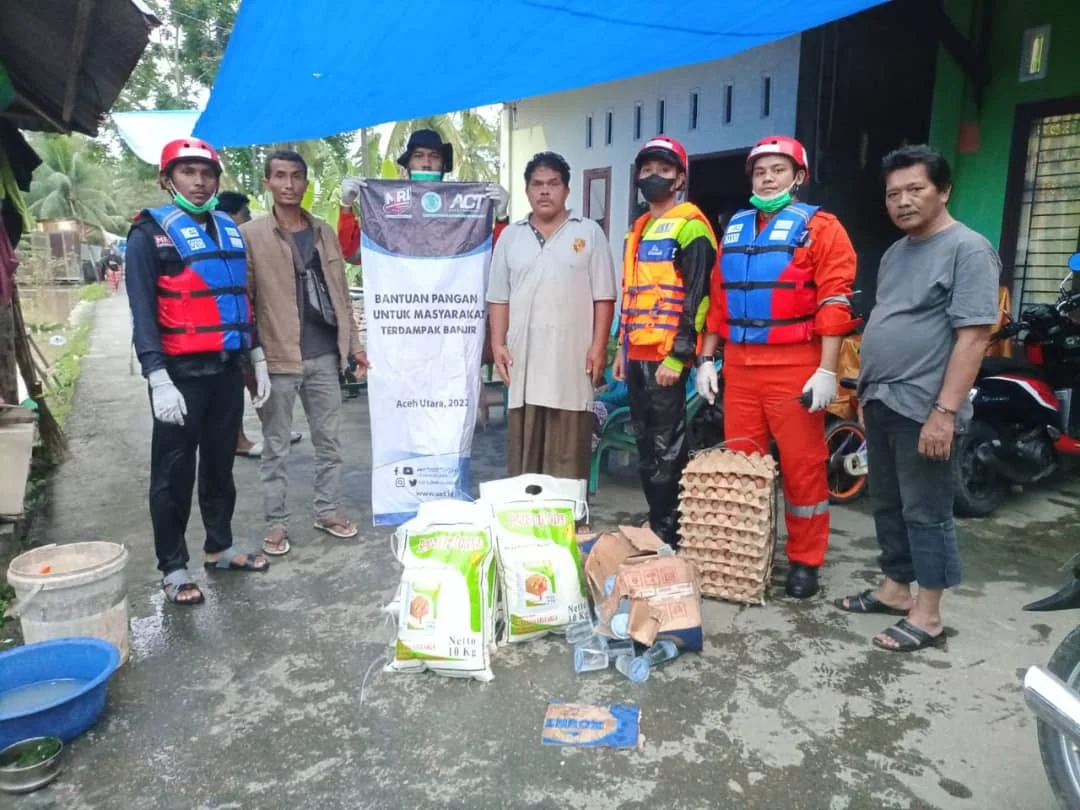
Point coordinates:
[[728, 523]]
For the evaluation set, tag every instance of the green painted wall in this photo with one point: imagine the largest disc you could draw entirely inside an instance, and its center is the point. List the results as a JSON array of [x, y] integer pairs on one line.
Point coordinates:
[[979, 178]]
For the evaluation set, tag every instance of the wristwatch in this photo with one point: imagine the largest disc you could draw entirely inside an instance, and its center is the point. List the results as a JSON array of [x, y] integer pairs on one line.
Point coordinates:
[[704, 358]]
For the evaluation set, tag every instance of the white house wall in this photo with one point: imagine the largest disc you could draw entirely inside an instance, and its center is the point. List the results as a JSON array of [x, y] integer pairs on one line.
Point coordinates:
[[557, 122]]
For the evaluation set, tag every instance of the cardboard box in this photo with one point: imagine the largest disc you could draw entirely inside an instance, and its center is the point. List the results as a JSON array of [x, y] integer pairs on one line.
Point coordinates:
[[664, 590]]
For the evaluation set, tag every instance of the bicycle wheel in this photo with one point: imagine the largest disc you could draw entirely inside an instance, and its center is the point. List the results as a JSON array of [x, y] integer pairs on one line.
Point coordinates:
[[843, 438]]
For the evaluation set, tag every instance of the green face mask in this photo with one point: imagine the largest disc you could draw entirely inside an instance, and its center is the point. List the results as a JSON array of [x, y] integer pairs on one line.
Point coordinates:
[[772, 204], [425, 177], [190, 207]]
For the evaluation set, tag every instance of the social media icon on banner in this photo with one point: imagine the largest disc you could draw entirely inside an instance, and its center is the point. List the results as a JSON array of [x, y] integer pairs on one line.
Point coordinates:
[[399, 482]]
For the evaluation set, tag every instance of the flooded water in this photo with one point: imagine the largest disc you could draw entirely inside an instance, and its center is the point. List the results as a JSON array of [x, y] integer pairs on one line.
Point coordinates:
[[37, 695], [46, 306]]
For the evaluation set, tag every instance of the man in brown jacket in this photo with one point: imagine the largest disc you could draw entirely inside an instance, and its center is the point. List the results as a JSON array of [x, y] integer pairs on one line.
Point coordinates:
[[296, 275]]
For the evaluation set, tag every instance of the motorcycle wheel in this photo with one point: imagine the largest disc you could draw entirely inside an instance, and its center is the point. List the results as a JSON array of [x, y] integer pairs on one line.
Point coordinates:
[[1060, 756], [843, 438], [979, 489]]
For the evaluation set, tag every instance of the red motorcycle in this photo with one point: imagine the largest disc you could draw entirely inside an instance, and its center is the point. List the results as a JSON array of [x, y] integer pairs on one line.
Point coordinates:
[[1023, 423]]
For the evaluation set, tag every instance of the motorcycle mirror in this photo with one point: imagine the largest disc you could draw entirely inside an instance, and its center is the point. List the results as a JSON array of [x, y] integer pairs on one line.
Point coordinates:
[[1074, 262]]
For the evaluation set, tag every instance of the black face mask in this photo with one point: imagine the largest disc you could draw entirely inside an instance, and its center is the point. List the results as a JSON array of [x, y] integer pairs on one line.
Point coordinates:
[[655, 188]]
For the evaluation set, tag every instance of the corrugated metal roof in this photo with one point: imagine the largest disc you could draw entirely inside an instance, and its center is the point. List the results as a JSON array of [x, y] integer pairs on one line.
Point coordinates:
[[69, 59]]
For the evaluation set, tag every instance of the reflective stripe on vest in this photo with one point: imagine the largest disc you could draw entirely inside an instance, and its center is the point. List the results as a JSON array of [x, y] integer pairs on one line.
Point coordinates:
[[653, 293], [767, 297], [205, 307]]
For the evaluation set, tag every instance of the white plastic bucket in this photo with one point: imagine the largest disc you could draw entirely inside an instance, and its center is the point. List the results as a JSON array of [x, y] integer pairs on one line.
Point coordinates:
[[74, 589]]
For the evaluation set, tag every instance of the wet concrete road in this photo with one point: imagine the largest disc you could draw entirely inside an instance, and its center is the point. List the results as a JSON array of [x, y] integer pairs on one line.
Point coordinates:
[[255, 700]]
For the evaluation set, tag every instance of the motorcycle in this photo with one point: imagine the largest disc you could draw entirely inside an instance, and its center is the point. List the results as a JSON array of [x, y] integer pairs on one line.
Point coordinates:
[[1051, 694], [1023, 423]]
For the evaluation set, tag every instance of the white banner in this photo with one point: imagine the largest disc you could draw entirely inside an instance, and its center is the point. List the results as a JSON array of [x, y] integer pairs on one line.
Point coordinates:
[[425, 251]]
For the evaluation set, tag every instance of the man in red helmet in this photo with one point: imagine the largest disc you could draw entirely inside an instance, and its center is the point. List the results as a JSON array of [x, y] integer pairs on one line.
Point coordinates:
[[780, 302], [187, 288], [667, 259]]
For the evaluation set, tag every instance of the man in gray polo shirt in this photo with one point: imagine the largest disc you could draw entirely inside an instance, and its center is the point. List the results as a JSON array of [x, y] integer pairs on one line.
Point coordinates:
[[937, 302], [552, 297]]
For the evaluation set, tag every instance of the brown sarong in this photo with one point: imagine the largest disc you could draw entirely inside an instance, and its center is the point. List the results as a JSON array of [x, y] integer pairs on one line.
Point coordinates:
[[549, 441]]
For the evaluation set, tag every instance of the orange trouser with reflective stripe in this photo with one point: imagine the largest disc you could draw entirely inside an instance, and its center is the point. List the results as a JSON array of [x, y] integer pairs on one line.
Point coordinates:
[[762, 402]]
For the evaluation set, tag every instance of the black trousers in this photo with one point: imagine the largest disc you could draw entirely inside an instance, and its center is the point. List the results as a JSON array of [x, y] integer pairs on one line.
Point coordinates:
[[658, 416], [215, 411]]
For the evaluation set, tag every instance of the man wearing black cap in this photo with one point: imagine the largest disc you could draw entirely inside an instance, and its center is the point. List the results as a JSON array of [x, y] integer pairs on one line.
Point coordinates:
[[426, 159]]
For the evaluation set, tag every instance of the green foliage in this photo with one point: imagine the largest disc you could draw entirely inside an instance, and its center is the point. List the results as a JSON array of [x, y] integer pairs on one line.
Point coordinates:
[[66, 371], [93, 292], [475, 142], [71, 183]]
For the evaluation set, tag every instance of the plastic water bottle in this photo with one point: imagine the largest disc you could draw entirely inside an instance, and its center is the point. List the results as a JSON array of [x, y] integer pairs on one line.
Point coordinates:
[[620, 622], [587, 660], [638, 669], [577, 633], [609, 585], [619, 648]]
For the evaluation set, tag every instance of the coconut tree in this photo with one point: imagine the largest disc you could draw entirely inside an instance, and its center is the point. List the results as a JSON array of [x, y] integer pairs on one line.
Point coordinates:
[[69, 184]]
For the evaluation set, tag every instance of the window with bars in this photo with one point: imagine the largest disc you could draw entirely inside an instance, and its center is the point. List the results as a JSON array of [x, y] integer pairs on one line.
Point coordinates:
[[1049, 224]]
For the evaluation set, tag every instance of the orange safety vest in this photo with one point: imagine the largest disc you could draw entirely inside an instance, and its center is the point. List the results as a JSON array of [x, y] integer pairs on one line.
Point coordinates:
[[653, 293]]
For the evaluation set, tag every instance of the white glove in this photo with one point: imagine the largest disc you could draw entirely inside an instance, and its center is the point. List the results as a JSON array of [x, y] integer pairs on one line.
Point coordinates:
[[822, 388], [165, 398], [262, 377], [501, 197], [706, 383], [350, 190]]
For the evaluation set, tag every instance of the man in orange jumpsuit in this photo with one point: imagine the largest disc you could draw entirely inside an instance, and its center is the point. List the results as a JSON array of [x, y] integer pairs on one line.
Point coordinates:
[[779, 300]]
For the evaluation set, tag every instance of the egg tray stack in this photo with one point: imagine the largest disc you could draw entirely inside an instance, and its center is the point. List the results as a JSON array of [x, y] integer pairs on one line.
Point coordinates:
[[728, 522]]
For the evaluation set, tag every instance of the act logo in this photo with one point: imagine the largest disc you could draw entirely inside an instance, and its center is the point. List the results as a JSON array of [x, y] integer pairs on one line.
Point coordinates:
[[431, 202], [398, 201], [470, 203]]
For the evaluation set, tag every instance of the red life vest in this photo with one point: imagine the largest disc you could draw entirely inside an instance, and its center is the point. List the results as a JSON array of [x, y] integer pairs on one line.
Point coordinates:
[[766, 297], [204, 307]]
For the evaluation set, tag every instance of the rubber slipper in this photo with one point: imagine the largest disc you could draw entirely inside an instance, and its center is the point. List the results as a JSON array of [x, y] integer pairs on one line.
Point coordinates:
[[178, 582], [866, 602], [338, 527], [909, 638], [273, 547], [227, 561], [295, 437]]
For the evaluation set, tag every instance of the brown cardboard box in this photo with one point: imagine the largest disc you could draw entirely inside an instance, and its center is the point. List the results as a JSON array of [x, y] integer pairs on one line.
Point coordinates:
[[665, 598]]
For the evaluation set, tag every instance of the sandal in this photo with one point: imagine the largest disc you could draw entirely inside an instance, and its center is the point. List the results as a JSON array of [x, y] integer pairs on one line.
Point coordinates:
[[255, 451], [909, 638], [337, 526], [228, 561], [276, 543], [180, 582], [866, 602]]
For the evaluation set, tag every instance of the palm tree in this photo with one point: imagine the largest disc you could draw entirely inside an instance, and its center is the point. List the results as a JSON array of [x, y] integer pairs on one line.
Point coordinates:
[[69, 184]]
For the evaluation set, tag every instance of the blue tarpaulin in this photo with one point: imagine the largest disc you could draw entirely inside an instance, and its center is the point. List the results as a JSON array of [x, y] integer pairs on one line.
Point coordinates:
[[294, 71]]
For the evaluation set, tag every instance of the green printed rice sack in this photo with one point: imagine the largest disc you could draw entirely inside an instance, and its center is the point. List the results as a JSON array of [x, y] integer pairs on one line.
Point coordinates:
[[542, 584], [445, 603]]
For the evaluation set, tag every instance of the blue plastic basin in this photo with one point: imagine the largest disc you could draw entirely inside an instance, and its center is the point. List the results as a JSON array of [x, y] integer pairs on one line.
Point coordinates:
[[86, 659]]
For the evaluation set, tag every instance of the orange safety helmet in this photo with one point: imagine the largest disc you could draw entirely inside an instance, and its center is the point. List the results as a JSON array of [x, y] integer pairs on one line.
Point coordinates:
[[780, 145], [188, 149], [664, 148]]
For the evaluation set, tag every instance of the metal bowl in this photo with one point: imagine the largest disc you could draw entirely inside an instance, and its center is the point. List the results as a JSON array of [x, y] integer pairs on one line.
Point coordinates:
[[27, 778]]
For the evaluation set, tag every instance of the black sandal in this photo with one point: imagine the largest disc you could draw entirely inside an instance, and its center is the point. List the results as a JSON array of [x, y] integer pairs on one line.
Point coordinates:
[[175, 584], [866, 602], [909, 638]]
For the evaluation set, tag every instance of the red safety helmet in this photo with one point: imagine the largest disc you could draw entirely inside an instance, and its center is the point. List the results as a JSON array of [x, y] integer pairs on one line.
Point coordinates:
[[663, 148], [188, 149], [780, 145]]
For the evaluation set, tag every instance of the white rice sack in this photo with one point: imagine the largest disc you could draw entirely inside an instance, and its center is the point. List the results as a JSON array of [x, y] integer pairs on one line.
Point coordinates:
[[542, 582], [446, 599]]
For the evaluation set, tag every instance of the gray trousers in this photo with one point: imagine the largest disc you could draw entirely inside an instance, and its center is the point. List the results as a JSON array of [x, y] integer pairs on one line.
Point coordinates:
[[913, 503], [320, 393]]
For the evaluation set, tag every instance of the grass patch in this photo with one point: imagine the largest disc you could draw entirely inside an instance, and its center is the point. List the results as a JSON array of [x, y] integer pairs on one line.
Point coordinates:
[[93, 292], [66, 370]]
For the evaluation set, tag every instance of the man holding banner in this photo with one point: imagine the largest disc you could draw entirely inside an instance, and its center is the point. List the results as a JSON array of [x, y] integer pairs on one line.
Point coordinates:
[[552, 297], [425, 248]]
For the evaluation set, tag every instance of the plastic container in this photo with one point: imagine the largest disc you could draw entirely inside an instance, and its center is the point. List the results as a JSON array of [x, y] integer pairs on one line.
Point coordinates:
[[578, 633], [638, 669], [590, 660], [16, 446], [86, 659], [72, 590], [620, 621]]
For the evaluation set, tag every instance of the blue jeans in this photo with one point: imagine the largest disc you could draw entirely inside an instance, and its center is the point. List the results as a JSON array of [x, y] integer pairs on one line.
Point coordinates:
[[912, 498]]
